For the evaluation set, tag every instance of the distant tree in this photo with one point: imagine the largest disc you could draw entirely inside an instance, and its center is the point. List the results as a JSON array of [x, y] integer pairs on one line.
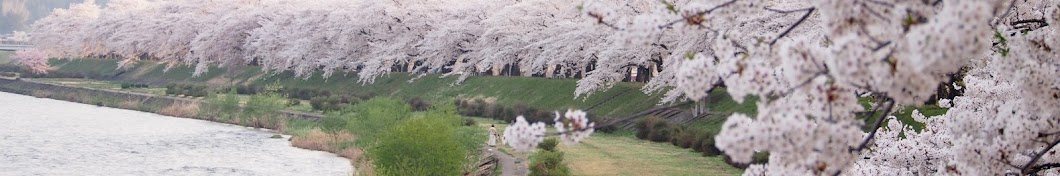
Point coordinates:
[[33, 59]]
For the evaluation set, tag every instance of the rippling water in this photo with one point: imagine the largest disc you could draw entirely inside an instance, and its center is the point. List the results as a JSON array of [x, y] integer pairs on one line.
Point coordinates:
[[50, 137]]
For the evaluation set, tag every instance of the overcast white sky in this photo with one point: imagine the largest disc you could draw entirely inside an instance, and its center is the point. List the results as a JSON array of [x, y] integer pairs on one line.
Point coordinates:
[[19, 14]]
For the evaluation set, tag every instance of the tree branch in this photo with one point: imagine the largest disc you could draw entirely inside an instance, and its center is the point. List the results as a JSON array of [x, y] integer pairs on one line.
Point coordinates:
[[875, 127], [671, 23], [1046, 166], [1030, 169], [809, 11]]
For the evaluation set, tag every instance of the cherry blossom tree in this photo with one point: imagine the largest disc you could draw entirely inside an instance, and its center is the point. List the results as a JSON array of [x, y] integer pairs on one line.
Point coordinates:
[[56, 33], [806, 61], [33, 59]]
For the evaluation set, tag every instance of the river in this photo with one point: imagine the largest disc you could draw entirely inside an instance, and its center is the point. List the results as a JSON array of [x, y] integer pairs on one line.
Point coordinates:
[[50, 137]]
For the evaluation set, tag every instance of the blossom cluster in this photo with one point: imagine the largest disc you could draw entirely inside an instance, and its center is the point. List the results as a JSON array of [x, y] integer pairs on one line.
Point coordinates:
[[572, 127], [523, 136]]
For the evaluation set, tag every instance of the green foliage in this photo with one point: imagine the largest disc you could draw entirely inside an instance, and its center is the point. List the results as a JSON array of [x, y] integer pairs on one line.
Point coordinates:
[[367, 119], [187, 90], [549, 144], [1001, 44], [265, 105], [419, 146], [333, 122], [546, 162], [132, 85], [654, 129], [221, 106]]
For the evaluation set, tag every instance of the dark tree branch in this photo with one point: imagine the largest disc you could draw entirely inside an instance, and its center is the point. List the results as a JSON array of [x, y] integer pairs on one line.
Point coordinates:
[[881, 46], [1039, 21], [1042, 167], [875, 127], [1029, 168], [697, 14], [809, 11]]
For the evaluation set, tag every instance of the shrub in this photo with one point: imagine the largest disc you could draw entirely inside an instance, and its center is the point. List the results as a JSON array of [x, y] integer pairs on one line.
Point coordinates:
[[661, 133], [760, 158], [331, 103], [294, 102], [171, 89], [547, 162], [706, 145], [132, 85], [368, 118], [418, 146], [601, 124], [419, 104], [248, 89], [648, 128], [682, 136], [223, 107], [262, 110], [469, 122], [332, 123], [549, 144]]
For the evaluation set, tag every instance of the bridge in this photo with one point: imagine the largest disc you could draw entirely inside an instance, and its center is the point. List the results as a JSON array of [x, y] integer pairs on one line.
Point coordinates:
[[8, 47]]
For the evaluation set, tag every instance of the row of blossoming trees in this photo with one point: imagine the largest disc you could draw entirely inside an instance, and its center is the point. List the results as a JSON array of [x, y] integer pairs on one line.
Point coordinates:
[[808, 62]]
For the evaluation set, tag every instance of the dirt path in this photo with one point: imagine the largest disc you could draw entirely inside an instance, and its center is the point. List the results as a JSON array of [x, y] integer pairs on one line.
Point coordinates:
[[509, 166]]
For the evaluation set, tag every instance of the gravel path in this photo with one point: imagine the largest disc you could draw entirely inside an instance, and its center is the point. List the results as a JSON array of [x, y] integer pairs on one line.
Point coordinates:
[[51, 137], [509, 166]]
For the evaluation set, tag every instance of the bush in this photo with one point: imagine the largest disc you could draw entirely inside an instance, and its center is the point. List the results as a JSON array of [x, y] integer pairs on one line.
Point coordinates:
[[418, 146], [683, 137], [469, 122], [294, 102], [661, 134], [132, 85], [419, 104], [368, 118], [171, 89], [760, 158], [549, 144], [187, 89], [221, 106], [331, 103], [248, 89], [602, 124], [332, 123], [706, 145], [648, 129], [262, 110], [547, 162]]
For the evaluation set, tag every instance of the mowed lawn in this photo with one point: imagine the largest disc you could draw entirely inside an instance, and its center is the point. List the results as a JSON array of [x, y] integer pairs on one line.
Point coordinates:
[[615, 154], [623, 154]]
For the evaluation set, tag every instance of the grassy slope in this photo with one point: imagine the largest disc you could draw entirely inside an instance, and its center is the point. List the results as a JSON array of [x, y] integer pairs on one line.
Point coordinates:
[[554, 94]]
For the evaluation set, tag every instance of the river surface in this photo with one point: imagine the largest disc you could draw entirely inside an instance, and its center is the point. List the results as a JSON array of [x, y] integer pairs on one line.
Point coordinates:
[[51, 137]]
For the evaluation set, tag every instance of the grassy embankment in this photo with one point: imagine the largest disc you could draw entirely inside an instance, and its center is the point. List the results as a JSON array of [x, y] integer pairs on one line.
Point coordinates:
[[554, 94]]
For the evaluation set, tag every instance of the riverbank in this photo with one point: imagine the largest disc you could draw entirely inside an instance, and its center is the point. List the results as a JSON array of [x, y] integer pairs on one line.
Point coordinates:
[[51, 137]]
